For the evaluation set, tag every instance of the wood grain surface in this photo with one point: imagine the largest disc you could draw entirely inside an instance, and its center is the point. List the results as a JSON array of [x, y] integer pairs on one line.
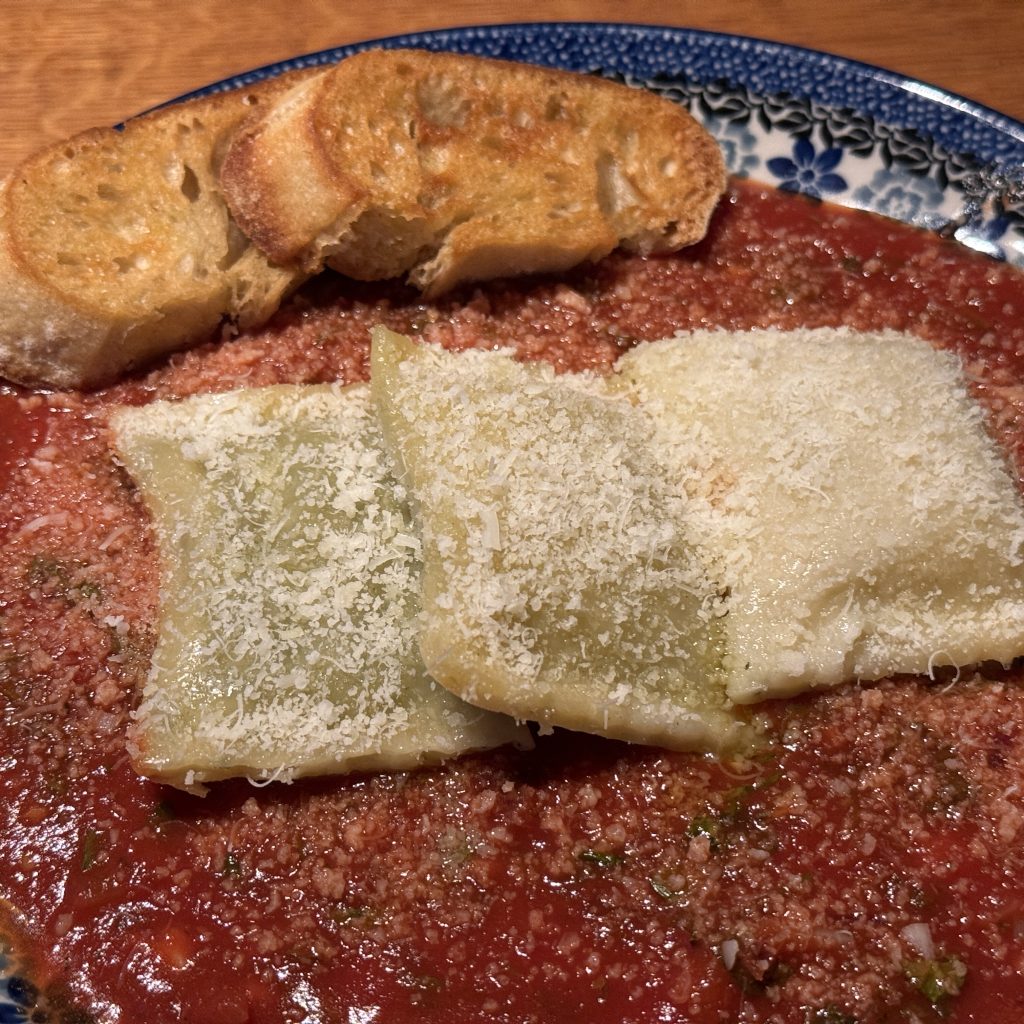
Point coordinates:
[[69, 66]]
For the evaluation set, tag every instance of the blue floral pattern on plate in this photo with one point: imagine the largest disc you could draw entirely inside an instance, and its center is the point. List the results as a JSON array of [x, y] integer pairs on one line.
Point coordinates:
[[738, 145], [848, 157], [802, 120], [916, 201], [808, 172]]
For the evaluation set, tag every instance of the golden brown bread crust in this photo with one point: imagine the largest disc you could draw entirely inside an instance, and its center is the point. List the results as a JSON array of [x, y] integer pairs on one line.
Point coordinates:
[[116, 246], [119, 246], [455, 168]]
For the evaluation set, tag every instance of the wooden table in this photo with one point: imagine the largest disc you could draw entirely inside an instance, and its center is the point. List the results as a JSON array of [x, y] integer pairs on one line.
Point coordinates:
[[67, 66]]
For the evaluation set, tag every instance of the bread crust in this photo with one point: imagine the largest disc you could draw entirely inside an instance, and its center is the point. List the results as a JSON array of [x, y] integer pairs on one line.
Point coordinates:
[[116, 246], [119, 246], [453, 168]]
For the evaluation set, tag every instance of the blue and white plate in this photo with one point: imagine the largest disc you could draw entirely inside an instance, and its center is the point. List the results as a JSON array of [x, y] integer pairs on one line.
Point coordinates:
[[801, 120]]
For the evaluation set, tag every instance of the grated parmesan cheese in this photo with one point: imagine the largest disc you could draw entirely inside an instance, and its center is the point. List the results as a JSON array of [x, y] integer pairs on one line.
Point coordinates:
[[558, 582], [287, 633], [853, 504]]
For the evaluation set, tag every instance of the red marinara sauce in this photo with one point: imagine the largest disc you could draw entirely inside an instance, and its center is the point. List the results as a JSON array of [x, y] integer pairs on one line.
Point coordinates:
[[867, 868]]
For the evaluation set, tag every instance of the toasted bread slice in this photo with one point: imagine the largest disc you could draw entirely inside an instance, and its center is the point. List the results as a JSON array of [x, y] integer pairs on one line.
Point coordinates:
[[117, 246], [455, 168]]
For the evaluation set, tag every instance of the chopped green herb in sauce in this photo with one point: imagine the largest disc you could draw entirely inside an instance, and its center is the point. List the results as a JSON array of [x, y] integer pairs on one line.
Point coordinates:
[[232, 867], [662, 890], [938, 980], [601, 860], [830, 1015], [91, 846]]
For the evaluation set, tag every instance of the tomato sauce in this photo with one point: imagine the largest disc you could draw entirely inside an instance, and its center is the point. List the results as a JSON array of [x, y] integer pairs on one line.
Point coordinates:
[[867, 867]]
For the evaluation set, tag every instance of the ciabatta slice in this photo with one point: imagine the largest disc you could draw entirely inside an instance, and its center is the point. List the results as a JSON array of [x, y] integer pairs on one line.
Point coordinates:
[[116, 246], [453, 168]]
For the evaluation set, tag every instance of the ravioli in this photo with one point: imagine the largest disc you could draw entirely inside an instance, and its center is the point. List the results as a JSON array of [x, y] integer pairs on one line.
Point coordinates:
[[558, 582], [289, 601], [860, 517]]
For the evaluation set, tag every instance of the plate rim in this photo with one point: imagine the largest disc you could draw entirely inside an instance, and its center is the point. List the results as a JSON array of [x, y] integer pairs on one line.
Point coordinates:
[[959, 106]]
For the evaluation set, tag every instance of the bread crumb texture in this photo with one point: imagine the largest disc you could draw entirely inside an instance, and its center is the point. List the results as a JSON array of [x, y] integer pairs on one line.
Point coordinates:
[[290, 572], [116, 246]]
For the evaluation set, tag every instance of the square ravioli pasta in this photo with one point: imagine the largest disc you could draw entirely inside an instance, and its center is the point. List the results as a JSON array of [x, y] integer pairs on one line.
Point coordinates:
[[856, 510], [289, 594], [559, 584]]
